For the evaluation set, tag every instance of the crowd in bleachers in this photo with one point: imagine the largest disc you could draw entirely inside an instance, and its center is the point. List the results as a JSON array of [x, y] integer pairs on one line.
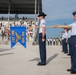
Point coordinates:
[[4, 31], [5, 28]]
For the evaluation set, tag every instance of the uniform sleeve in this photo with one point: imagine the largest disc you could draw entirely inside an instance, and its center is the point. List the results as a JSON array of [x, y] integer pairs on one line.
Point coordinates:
[[71, 24], [43, 23]]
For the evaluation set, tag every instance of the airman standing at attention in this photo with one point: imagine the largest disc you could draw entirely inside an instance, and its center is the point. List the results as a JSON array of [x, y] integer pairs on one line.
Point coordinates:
[[42, 39]]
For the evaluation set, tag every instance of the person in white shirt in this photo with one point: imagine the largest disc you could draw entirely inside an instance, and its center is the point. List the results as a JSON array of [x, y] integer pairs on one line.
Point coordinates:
[[50, 41], [42, 39], [69, 41], [53, 41], [62, 35], [65, 40]]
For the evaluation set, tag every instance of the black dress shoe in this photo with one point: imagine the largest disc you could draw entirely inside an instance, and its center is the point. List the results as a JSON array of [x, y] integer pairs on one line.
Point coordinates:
[[65, 52], [41, 64], [69, 70], [68, 54], [73, 72]]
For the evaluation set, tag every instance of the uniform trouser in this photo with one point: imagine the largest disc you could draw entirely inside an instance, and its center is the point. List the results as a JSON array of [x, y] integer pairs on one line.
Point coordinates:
[[69, 42], [62, 45], [65, 49], [42, 49], [73, 53], [50, 42]]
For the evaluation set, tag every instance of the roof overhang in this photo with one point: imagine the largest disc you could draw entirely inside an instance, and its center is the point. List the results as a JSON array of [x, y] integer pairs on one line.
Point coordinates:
[[20, 6]]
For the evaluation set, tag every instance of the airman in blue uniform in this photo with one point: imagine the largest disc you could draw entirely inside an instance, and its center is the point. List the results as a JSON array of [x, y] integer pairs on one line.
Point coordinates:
[[69, 41], [42, 40], [65, 39]]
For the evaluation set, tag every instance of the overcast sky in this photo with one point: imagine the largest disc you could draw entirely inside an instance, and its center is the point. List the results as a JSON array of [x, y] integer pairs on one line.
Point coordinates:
[[58, 12], [59, 9]]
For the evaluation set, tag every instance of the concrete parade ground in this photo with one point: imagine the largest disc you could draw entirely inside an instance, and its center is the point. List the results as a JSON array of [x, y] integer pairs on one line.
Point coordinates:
[[23, 61]]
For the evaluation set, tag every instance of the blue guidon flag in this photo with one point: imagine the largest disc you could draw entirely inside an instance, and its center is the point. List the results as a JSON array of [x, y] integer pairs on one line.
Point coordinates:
[[18, 34]]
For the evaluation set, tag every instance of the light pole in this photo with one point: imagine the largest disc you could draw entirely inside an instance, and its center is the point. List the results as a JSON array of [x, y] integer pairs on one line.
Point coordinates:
[[8, 14]]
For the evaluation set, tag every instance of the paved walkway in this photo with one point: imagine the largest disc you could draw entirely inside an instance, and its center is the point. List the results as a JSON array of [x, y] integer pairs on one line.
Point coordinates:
[[21, 61]]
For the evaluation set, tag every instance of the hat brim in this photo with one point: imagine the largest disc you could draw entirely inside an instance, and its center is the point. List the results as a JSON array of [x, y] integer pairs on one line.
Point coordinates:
[[74, 13], [42, 15]]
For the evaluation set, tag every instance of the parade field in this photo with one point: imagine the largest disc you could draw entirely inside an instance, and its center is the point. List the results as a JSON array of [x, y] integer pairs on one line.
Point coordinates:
[[36, 39], [23, 61]]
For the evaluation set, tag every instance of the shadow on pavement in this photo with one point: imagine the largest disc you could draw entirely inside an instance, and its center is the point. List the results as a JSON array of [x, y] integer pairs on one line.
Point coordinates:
[[6, 54], [51, 58], [48, 60], [2, 50], [35, 59]]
